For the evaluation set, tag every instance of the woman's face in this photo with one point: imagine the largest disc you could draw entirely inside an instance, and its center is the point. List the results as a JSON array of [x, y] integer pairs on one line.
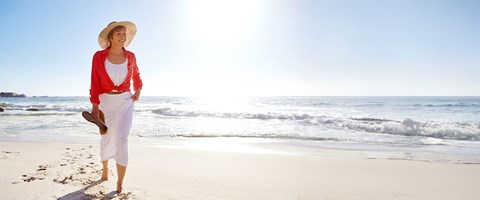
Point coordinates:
[[118, 38]]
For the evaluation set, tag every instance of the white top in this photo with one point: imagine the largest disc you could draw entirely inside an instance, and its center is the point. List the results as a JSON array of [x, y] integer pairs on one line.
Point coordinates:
[[117, 72]]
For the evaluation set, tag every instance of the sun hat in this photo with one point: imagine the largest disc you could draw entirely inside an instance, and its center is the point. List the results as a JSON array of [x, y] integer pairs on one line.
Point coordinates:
[[130, 27]]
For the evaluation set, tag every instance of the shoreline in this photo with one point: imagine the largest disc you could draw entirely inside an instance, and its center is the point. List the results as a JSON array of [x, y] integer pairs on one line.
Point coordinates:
[[461, 154], [72, 171]]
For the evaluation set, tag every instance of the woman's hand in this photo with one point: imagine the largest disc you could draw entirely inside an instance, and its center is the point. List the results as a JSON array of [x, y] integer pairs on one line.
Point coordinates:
[[136, 96], [95, 110]]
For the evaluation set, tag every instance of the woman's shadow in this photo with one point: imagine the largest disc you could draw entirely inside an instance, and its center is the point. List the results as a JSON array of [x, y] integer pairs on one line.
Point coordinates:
[[80, 194]]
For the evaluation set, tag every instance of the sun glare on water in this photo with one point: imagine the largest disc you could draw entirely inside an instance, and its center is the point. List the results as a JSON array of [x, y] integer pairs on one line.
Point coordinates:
[[224, 103]]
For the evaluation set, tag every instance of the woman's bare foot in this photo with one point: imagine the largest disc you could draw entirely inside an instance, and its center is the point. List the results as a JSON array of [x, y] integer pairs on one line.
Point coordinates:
[[105, 175], [119, 188], [105, 170]]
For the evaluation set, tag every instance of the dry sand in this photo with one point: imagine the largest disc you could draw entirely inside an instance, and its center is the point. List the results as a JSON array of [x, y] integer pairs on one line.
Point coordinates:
[[72, 171]]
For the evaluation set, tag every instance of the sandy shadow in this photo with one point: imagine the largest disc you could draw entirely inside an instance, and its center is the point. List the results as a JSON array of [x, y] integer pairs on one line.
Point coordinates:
[[80, 194]]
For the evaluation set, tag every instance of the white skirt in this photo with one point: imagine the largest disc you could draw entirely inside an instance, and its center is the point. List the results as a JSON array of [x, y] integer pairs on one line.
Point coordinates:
[[118, 111]]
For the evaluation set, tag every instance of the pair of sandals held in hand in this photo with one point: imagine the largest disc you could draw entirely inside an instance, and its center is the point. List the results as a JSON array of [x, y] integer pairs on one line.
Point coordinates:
[[99, 122]]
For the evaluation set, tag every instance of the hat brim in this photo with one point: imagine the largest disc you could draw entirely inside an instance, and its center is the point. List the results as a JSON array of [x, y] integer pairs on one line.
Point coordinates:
[[131, 30]]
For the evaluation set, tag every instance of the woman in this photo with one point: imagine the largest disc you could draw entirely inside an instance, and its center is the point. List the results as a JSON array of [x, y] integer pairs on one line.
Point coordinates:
[[112, 70]]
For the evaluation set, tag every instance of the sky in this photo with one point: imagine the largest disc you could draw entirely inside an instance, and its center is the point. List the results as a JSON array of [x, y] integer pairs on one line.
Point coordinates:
[[250, 47]]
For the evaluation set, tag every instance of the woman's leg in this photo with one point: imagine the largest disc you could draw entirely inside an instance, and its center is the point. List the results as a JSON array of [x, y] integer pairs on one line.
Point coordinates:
[[105, 170], [121, 170]]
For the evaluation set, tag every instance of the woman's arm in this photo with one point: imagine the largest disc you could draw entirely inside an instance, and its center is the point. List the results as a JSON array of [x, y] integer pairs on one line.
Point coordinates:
[[95, 81], [137, 81]]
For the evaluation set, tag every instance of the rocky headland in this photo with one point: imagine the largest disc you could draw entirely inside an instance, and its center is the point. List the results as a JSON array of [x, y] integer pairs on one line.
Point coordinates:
[[11, 94]]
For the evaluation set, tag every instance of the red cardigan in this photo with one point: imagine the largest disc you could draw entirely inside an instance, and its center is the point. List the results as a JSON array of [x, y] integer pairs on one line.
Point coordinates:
[[101, 82]]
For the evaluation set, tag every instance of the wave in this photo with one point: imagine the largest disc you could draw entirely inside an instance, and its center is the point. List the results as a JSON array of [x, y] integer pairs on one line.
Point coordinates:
[[288, 137], [36, 114], [408, 127], [405, 127], [263, 116], [462, 105], [264, 136], [44, 107]]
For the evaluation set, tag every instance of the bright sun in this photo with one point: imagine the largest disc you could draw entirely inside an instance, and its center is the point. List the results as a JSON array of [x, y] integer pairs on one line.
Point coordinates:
[[220, 23]]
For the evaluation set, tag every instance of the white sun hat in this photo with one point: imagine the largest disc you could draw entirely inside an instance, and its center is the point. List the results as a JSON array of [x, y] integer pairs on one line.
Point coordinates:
[[130, 31]]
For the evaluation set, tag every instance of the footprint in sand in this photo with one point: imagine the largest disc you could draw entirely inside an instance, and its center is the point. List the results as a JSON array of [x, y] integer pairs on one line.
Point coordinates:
[[7, 154], [65, 180], [40, 174], [42, 168], [73, 169], [77, 168]]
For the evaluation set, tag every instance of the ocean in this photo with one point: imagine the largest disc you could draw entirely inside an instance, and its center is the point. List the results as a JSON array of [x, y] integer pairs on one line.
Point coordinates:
[[446, 125]]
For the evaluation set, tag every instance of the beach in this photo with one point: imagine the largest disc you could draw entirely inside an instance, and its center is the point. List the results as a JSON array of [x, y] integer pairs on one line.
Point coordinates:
[[248, 148], [240, 100], [72, 171]]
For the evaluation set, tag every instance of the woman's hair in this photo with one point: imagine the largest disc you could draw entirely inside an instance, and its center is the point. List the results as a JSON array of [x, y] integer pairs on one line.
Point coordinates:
[[115, 29]]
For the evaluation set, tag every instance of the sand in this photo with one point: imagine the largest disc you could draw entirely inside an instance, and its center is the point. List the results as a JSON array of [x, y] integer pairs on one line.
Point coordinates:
[[72, 171]]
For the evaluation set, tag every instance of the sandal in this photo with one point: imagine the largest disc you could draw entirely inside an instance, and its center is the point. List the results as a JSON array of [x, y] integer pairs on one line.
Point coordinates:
[[99, 122]]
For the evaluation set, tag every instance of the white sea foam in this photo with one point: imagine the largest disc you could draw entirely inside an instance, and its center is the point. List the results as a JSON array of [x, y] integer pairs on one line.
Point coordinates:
[[406, 127], [433, 141]]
